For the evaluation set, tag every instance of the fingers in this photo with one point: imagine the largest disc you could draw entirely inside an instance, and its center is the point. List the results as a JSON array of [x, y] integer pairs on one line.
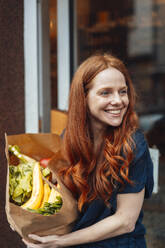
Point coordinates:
[[36, 237], [41, 245], [30, 245], [44, 239]]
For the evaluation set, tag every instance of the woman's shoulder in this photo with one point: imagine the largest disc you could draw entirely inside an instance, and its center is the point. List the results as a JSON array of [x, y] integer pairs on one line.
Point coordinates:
[[140, 142], [141, 152], [138, 136]]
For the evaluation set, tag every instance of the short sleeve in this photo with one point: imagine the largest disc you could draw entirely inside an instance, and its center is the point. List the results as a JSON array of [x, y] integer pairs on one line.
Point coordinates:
[[141, 168]]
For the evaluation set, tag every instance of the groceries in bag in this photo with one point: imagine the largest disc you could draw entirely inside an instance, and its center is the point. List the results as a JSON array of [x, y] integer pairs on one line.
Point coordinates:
[[29, 185]]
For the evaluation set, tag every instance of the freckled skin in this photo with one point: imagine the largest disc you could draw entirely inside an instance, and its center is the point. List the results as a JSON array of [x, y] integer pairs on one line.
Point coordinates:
[[107, 99]]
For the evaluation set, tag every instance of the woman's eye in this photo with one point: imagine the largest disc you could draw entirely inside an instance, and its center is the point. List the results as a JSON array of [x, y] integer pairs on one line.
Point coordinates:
[[123, 92], [104, 93]]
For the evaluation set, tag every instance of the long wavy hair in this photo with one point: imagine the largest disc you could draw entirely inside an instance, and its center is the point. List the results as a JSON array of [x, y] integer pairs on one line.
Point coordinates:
[[86, 178]]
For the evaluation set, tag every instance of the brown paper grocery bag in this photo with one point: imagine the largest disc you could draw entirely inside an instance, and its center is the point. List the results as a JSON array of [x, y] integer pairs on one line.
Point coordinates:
[[24, 222]]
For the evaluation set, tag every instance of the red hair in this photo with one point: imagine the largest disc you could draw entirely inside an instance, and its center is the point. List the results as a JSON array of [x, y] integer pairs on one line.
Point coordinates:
[[86, 180]]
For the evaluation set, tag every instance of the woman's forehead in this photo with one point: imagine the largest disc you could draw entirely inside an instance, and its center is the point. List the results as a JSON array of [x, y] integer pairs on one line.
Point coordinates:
[[109, 76]]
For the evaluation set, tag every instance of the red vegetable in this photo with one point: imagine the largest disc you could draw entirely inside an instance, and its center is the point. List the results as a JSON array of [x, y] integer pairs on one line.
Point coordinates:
[[44, 162]]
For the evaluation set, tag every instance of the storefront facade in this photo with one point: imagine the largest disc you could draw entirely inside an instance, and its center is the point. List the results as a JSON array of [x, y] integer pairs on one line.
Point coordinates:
[[47, 40]]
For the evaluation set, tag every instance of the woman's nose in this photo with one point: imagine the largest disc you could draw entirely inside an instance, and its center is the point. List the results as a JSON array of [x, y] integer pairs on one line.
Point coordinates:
[[116, 99]]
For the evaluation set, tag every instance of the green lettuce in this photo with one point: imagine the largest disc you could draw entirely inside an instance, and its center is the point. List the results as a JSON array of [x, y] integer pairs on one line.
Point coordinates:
[[20, 182]]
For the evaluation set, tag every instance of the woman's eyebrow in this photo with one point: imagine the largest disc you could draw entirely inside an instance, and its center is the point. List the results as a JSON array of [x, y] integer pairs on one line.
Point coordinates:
[[111, 88], [124, 87], [104, 88]]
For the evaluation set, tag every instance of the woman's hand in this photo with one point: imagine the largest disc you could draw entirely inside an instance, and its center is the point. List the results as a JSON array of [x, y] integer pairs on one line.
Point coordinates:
[[50, 241]]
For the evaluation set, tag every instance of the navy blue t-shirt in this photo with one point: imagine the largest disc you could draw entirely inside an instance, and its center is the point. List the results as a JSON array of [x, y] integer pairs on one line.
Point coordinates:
[[141, 172]]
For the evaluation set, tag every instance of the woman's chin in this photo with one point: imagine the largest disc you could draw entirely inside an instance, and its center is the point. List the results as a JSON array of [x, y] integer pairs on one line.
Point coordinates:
[[116, 123]]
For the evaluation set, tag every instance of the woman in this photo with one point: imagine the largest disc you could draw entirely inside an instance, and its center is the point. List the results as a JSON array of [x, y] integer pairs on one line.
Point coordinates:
[[110, 171]]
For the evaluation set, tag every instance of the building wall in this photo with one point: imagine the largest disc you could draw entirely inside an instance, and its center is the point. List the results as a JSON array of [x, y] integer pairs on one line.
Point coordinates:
[[11, 97]]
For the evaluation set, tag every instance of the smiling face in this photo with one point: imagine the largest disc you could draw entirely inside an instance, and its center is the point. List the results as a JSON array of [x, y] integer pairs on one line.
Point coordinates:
[[107, 99]]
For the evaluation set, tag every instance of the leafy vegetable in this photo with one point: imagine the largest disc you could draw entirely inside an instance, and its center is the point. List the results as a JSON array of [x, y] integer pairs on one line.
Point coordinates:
[[49, 208], [20, 176], [20, 182]]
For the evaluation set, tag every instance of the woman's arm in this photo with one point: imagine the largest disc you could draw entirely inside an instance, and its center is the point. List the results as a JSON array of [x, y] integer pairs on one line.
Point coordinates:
[[123, 221]]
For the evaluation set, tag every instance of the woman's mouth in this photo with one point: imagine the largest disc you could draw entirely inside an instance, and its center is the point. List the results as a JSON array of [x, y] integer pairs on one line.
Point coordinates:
[[115, 112]]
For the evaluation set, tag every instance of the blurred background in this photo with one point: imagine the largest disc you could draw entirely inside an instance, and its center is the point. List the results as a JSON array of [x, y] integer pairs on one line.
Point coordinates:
[[42, 42]]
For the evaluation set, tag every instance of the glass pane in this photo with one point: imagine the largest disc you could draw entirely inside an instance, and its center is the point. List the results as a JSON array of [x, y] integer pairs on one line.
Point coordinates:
[[135, 32]]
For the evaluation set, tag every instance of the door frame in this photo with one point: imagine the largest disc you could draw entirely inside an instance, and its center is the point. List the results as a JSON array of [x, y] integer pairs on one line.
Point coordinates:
[[37, 62]]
